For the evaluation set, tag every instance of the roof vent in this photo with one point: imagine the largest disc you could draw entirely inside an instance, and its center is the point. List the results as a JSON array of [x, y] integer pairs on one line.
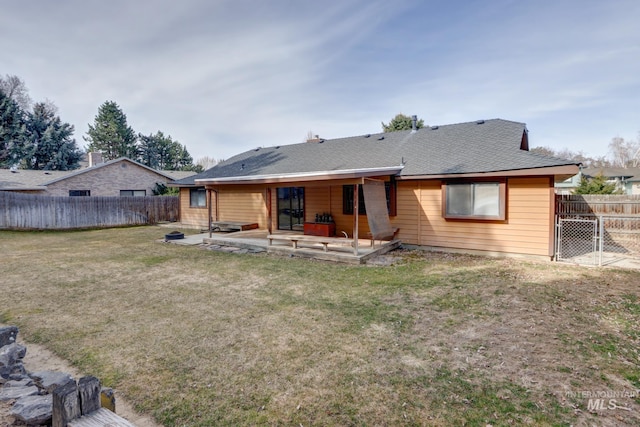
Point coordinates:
[[242, 167], [257, 149], [479, 122], [277, 147], [435, 127], [321, 141], [47, 173], [367, 135], [380, 138], [13, 171]]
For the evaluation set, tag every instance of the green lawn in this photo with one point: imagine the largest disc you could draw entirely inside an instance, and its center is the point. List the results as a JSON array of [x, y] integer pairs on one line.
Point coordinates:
[[199, 338]]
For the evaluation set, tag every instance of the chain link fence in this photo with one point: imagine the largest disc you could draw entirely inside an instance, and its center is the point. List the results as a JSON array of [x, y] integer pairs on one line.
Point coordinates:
[[598, 240]]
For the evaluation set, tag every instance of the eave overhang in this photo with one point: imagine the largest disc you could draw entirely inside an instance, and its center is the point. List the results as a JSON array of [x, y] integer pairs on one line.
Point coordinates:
[[559, 171], [302, 176], [18, 188]]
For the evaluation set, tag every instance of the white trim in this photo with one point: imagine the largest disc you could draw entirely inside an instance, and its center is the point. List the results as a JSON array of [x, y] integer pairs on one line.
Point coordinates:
[[303, 176]]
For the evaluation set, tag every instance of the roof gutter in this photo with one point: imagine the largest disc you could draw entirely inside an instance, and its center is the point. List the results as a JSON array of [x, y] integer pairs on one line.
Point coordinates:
[[568, 170], [302, 176]]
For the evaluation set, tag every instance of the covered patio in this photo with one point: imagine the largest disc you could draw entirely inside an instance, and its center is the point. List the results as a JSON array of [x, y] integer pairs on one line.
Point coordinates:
[[257, 240], [291, 230], [339, 250]]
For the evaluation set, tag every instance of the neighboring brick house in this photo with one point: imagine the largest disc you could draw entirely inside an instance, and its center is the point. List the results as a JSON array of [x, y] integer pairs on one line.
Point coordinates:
[[119, 177]]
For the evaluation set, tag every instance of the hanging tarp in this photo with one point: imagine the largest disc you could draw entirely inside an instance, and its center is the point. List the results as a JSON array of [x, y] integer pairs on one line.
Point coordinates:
[[375, 200]]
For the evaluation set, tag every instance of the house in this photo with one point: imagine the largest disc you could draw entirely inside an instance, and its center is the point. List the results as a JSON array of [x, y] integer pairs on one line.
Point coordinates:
[[626, 179], [472, 187], [119, 177]]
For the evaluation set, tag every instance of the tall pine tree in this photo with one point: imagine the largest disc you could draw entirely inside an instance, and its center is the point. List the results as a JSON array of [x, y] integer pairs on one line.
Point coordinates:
[[13, 132], [111, 135], [51, 144], [162, 152]]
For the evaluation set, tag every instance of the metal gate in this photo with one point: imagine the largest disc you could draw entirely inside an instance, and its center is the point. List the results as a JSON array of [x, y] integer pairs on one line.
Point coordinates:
[[599, 240], [577, 240]]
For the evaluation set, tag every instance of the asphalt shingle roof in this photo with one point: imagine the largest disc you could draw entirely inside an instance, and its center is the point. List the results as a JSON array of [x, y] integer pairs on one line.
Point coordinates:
[[21, 179], [473, 147], [24, 179]]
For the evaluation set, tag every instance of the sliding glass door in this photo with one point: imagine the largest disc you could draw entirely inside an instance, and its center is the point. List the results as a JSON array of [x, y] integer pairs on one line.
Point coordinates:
[[291, 208]]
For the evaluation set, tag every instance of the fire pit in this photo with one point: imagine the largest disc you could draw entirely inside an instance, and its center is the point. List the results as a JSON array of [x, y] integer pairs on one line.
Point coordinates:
[[174, 235]]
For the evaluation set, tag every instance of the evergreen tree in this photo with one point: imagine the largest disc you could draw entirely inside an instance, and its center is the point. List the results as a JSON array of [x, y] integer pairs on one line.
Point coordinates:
[[401, 122], [111, 135], [596, 185], [51, 146], [162, 152], [13, 132]]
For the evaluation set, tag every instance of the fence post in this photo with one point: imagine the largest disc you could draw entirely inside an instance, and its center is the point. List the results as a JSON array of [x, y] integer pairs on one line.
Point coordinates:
[[601, 234]]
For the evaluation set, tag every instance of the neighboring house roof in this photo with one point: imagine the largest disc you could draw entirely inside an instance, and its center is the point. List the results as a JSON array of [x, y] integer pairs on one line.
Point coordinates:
[[622, 173], [110, 162], [484, 146], [180, 174], [28, 180], [22, 179]]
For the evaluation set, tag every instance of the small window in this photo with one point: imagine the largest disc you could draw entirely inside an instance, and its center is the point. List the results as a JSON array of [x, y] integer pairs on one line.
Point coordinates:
[[75, 193], [133, 193], [474, 200], [390, 188], [198, 197]]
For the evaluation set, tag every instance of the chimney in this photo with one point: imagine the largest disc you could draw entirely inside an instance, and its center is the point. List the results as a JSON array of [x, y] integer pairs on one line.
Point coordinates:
[[95, 158], [414, 123]]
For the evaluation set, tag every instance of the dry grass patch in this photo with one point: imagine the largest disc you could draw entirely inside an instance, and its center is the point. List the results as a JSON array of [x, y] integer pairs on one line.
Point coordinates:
[[196, 337]]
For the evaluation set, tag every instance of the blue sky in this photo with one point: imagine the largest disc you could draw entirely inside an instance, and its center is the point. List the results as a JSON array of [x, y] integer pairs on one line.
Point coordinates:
[[222, 77]]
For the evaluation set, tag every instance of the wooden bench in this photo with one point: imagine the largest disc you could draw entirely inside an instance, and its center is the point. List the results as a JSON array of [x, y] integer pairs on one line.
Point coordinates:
[[233, 225], [295, 238]]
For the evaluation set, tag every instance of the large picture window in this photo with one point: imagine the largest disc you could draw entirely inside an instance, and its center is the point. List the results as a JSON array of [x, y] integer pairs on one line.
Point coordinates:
[[390, 189], [198, 197], [474, 200]]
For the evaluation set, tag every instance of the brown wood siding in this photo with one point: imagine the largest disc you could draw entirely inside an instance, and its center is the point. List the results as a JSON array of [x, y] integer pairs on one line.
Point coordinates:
[[317, 200], [528, 228], [244, 203], [189, 216], [408, 212], [526, 231]]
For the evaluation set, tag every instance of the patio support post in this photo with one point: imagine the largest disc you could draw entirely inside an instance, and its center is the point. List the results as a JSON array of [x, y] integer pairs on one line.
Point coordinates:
[[268, 203], [356, 189], [209, 199]]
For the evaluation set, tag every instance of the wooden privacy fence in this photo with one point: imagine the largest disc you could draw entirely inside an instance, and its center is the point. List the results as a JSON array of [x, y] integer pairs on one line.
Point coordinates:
[[32, 212], [588, 205]]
